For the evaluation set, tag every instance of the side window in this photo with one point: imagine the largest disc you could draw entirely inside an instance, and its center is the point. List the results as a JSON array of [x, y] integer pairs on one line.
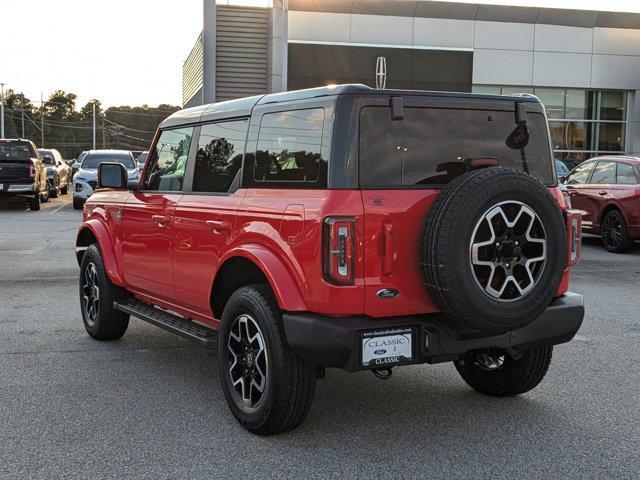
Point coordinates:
[[604, 173], [219, 156], [168, 161], [289, 147], [580, 175], [626, 175]]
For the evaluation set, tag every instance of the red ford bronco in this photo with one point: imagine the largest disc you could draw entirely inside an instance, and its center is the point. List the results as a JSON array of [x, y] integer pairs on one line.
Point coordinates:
[[340, 227]]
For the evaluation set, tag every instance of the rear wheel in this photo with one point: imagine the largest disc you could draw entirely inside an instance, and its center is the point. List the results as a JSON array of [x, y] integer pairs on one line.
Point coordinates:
[[267, 387], [54, 190], [77, 203], [34, 203], [615, 236], [97, 294], [497, 374], [64, 190], [45, 196]]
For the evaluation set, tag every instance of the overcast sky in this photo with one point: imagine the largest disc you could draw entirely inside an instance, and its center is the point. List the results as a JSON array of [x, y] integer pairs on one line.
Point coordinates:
[[128, 51]]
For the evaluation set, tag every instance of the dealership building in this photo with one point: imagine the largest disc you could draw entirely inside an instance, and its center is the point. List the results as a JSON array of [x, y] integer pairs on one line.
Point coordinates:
[[583, 65]]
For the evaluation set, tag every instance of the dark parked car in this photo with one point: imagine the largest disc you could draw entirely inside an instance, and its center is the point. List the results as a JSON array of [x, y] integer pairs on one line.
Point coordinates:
[[22, 172], [607, 191], [58, 172], [561, 170]]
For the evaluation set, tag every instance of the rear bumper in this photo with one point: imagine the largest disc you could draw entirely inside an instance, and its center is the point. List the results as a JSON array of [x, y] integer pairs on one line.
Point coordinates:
[[10, 189], [336, 342]]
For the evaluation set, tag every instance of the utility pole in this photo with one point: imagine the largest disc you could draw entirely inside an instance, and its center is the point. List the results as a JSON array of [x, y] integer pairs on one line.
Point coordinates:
[[22, 115], [104, 142], [94, 125], [1, 110], [41, 120]]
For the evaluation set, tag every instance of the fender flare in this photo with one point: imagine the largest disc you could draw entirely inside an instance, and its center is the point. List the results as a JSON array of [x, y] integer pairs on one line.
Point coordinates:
[[102, 235], [282, 282]]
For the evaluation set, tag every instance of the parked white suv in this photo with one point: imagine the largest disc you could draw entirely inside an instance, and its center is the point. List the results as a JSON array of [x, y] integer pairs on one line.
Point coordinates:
[[86, 179]]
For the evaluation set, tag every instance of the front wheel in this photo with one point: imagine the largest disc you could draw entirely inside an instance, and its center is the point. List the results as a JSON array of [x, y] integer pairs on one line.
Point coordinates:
[[34, 203], [615, 236], [497, 374], [97, 294], [267, 387]]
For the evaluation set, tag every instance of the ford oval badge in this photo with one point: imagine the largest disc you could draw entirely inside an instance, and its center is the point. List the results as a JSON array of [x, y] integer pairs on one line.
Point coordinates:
[[380, 351], [388, 293]]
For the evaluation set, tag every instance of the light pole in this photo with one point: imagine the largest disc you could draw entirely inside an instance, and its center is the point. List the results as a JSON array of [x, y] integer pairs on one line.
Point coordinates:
[[94, 125], [1, 110]]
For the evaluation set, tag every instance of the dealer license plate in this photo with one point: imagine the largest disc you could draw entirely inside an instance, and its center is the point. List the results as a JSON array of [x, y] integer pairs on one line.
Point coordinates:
[[384, 347]]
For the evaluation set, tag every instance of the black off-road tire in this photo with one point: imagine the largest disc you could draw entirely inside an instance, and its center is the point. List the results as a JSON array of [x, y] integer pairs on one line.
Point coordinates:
[[64, 190], [34, 203], [290, 381], [77, 204], [54, 191], [445, 249], [622, 242], [108, 323], [514, 377]]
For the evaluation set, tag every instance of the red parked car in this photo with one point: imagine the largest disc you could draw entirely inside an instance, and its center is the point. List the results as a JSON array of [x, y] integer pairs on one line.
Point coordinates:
[[340, 227], [607, 192]]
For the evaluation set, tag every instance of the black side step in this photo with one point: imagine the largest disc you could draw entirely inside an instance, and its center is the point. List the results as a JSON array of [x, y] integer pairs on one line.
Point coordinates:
[[207, 337]]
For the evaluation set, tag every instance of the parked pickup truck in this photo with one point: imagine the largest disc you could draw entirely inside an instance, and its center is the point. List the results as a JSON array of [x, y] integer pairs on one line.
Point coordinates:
[[22, 172], [340, 227]]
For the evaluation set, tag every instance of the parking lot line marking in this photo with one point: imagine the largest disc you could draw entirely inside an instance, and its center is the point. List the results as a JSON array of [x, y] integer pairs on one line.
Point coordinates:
[[57, 209]]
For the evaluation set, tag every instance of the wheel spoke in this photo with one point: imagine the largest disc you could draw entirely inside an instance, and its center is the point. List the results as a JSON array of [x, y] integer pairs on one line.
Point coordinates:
[[518, 250], [248, 361]]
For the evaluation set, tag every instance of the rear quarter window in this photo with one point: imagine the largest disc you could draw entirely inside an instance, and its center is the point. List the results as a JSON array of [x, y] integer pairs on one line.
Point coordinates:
[[289, 149], [430, 145]]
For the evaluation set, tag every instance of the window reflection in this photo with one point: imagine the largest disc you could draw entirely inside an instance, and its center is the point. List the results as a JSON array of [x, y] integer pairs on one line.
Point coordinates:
[[582, 123], [219, 156], [290, 146]]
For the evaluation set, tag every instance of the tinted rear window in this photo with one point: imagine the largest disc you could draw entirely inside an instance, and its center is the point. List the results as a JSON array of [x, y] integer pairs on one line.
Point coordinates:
[[16, 152], [92, 161], [430, 145]]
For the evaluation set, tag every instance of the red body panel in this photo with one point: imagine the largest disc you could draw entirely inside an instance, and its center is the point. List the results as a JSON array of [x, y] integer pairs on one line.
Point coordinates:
[[593, 200], [168, 248]]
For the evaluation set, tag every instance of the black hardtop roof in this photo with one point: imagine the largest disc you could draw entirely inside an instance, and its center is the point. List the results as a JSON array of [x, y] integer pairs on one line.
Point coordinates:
[[243, 106]]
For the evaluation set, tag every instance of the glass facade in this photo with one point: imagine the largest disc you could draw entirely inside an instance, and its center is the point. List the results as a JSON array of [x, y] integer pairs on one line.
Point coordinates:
[[583, 123]]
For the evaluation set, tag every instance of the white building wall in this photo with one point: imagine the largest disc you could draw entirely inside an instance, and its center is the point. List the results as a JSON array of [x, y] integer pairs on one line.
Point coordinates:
[[505, 53]]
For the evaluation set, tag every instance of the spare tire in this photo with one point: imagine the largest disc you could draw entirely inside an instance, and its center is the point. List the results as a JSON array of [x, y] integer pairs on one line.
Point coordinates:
[[493, 249]]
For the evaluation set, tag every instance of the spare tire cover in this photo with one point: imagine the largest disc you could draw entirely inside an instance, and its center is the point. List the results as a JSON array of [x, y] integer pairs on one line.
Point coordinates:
[[493, 249]]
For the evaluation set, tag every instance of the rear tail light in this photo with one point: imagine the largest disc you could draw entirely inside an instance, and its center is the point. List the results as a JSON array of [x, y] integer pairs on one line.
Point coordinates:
[[32, 169], [574, 236], [638, 193], [338, 250]]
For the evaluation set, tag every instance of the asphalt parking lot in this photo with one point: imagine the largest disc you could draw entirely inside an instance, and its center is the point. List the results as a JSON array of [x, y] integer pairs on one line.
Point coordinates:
[[150, 405]]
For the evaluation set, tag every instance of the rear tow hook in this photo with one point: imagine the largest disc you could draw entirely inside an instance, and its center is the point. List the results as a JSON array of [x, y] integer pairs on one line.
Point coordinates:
[[382, 373]]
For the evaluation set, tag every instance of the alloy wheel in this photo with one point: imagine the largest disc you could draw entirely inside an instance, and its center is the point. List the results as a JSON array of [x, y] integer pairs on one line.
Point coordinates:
[[508, 251], [612, 231], [247, 360], [91, 295]]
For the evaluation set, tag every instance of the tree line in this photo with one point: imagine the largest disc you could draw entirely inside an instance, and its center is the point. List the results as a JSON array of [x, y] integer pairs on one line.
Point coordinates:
[[58, 123]]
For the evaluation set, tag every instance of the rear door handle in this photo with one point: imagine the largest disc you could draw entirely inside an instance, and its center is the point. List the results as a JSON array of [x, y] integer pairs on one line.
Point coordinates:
[[218, 225], [161, 220]]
